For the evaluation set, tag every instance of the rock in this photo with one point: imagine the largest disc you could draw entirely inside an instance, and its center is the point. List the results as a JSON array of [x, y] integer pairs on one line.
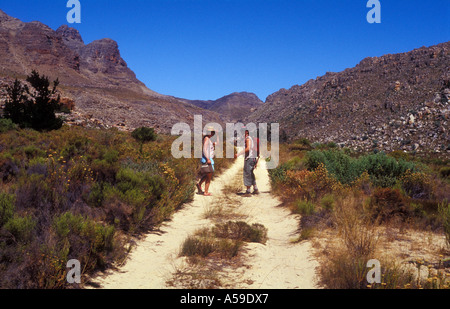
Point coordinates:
[[385, 98], [94, 75]]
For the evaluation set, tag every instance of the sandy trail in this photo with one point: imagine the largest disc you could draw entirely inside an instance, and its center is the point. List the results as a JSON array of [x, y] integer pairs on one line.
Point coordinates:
[[279, 264]]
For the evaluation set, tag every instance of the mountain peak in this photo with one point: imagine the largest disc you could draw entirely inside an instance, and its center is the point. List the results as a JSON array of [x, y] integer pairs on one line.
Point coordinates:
[[71, 36], [3, 15]]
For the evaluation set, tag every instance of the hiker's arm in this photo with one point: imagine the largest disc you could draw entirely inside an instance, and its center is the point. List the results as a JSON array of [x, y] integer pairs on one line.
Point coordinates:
[[206, 150]]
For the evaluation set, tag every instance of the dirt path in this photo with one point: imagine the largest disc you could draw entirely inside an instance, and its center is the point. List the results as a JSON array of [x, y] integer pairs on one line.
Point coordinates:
[[278, 264]]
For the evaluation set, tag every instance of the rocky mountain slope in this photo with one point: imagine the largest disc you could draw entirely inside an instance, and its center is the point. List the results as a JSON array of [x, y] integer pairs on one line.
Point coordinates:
[[393, 102], [235, 107], [95, 76]]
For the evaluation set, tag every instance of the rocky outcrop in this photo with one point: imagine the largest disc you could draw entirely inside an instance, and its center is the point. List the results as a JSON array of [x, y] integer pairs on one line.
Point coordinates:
[[94, 76], [393, 102]]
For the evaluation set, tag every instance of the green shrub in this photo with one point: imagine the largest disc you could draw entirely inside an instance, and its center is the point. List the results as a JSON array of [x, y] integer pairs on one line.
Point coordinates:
[[303, 141], [444, 211], [304, 207], [111, 156], [98, 237], [7, 202], [22, 228], [135, 197], [96, 196], [344, 168], [278, 175], [384, 171], [6, 125], [144, 134], [194, 246], [68, 223], [32, 151], [239, 230], [104, 171], [76, 145], [327, 201]]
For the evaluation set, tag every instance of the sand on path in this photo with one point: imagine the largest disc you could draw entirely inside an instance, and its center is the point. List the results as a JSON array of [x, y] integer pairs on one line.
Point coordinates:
[[277, 264]]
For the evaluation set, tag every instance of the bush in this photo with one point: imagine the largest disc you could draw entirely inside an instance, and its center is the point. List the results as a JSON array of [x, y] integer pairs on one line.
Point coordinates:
[[77, 145], [68, 223], [304, 207], [144, 134], [6, 125], [6, 207], [37, 110], [444, 212], [22, 228], [66, 192], [327, 201], [339, 165], [241, 231], [387, 203], [311, 185], [416, 185], [104, 171], [96, 196], [383, 170], [35, 192], [224, 240], [97, 237], [303, 141], [194, 246]]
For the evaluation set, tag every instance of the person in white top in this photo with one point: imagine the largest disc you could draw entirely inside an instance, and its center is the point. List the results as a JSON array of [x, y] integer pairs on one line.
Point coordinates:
[[207, 161]]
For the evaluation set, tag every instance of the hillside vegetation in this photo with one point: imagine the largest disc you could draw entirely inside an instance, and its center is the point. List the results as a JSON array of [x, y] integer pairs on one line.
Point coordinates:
[[78, 193], [357, 207]]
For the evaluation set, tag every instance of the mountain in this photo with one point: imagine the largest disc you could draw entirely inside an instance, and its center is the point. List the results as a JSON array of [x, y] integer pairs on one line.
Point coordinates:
[[95, 76], [394, 102], [235, 107]]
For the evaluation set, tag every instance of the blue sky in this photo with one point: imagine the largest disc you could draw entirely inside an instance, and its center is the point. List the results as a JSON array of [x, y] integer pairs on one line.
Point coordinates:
[[205, 49]]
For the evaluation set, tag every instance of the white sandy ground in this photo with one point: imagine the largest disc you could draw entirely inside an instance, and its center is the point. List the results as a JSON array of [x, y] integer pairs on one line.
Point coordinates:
[[278, 264]]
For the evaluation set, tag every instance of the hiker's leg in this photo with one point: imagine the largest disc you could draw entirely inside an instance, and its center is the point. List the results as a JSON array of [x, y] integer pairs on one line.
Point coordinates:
[[208, 182], [248, 181], [253, 177], [199, 184], [202, 180]]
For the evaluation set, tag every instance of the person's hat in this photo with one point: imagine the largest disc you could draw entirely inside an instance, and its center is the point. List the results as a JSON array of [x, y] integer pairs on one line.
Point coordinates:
[[210, 129]]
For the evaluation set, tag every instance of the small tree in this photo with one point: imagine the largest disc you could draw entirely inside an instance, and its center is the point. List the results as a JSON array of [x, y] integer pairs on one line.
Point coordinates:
[[143, 135], [16, 104], [34, 108]]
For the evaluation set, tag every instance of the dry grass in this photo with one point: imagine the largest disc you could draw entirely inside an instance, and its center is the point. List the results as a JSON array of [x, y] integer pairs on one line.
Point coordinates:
[[349, 224], [209, 251], [344, 251]]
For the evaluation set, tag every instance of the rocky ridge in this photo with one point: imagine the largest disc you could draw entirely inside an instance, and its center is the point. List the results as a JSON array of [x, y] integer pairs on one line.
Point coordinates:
[[235, 107], [94, 75], [393, 102]]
